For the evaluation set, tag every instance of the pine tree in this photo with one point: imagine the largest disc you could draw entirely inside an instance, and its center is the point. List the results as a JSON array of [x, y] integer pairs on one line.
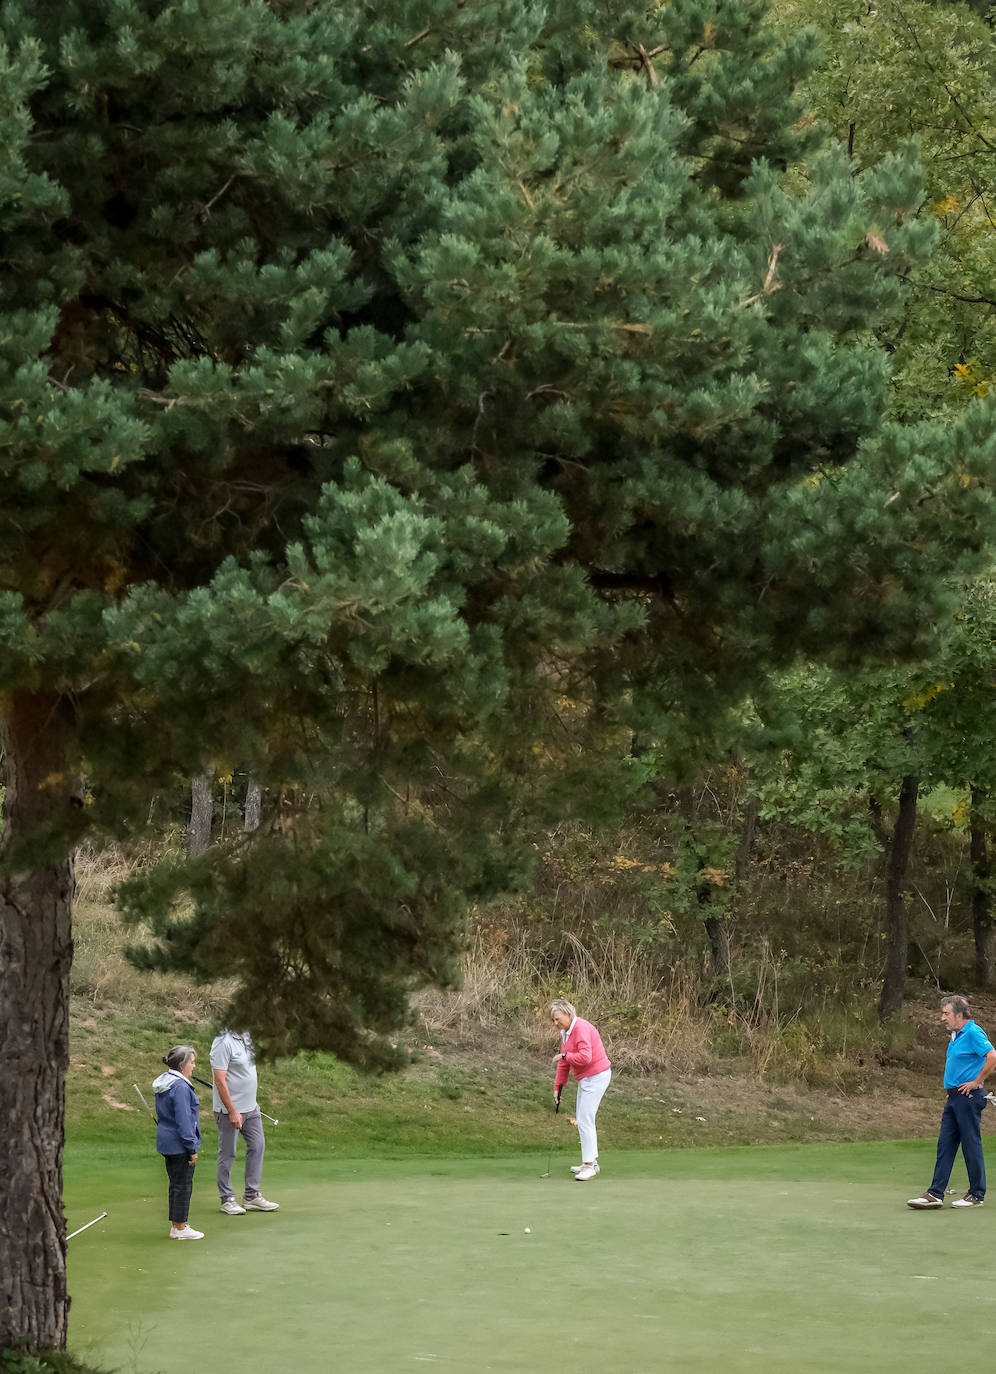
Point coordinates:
[[375, 382]]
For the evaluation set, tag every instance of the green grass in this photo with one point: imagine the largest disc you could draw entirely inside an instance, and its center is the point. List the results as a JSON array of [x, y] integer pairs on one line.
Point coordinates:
[[462, 1101], [777, 1259]]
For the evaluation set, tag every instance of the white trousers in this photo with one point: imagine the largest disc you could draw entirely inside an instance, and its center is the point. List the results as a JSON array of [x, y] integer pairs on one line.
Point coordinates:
[[590, 1093]]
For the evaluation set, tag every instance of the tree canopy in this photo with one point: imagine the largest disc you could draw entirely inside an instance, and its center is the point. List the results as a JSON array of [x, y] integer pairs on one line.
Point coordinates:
[[375, 384]]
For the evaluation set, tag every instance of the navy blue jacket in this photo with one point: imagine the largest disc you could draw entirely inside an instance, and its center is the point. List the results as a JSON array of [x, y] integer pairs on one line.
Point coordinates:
[[179, 1113]]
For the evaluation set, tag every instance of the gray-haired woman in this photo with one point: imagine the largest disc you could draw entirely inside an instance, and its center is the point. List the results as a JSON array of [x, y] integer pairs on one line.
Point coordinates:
[[178, 1135]]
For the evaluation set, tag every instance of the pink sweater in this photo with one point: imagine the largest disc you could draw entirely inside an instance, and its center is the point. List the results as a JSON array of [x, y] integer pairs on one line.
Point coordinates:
[[585, 1053]]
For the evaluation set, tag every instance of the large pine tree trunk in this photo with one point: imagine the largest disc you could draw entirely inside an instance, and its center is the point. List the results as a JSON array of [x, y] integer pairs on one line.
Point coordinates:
[[35, 957], [982, 921], [897, 934]]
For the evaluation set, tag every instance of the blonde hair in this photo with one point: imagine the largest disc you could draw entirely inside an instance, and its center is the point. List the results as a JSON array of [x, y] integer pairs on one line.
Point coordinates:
[[562, 1004]]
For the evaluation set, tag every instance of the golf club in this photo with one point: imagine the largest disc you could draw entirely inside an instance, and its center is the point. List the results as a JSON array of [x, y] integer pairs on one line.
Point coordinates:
[[209, 1085], [145, 1104], [87, 1226], [549, 1158]]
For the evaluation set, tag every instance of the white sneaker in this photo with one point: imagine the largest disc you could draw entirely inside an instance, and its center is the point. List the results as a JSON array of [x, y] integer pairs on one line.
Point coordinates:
[[188, 1233], [260, 1204], [231, 1208], [585, 1172], [576, 1168]]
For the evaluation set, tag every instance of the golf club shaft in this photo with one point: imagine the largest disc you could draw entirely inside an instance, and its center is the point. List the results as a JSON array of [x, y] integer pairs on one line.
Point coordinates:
[[145, 1104], [88, 1225], [549, 1160]]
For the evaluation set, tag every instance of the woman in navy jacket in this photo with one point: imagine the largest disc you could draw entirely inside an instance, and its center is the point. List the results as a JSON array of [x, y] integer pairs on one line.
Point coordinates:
[[178, 1135]]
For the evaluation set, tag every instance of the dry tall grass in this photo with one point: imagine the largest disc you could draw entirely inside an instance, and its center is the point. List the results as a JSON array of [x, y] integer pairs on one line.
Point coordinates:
[[102, 978], [654, 1017], [649, 1020]]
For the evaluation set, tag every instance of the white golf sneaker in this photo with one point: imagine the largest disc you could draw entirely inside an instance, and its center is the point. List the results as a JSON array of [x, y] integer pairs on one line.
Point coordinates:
[[585, 1172], [232, 1209], [187, 1233], [576, 1168], [260, 1204]]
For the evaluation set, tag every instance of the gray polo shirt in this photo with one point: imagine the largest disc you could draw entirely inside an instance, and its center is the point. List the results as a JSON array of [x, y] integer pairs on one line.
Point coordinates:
[[234, 1053]]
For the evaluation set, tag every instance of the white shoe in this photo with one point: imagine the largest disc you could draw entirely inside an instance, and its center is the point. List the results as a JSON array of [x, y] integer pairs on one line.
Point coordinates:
[[260, 1204], [188, 1233], [585, 1172], [231, 1208], [576, 1168]]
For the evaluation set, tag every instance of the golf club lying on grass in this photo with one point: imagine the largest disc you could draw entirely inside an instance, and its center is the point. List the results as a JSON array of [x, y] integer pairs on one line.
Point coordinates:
[[208, 1085], [556, 1112], [87, 1226]]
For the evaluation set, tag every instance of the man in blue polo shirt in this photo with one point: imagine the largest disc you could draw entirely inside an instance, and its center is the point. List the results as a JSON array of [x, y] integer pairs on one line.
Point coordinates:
[[970, 1061]]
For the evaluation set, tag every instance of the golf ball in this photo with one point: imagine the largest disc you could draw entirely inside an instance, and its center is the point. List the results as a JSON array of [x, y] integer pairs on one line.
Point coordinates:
[[527, 1230]]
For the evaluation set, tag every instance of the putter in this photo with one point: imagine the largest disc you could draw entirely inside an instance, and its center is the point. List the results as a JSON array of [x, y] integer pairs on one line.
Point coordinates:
[[549, 1158], [88, 1225], [145, 1105]]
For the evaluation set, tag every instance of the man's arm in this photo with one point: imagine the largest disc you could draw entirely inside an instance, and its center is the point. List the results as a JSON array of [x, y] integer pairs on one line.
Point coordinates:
[[984, 1072], [221, 1083]]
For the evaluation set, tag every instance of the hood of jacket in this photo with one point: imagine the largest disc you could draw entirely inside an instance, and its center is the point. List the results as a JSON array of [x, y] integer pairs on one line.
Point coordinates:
[[166, 1080]]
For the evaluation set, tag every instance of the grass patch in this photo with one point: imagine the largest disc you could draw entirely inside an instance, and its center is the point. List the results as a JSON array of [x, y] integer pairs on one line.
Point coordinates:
[[745, 1260]]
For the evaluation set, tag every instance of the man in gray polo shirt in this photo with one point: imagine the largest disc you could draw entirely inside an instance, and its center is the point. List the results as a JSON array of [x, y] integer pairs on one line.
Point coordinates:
[[236, 1109]]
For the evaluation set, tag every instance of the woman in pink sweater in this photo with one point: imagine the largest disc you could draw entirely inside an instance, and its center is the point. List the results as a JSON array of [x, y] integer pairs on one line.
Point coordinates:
[[581, 1052]]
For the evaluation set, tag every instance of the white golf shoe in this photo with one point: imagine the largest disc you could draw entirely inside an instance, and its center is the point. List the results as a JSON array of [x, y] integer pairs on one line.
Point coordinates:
[[187, 1233], [260, 1204], [576, 1168], [231, 1208], [585, 1172]]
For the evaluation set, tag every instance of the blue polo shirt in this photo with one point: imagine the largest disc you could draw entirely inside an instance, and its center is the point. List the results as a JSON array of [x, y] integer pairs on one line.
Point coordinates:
[[967, 1052]]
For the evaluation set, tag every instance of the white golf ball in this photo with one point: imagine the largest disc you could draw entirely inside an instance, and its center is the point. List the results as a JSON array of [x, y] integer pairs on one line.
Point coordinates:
[[527, 1230]]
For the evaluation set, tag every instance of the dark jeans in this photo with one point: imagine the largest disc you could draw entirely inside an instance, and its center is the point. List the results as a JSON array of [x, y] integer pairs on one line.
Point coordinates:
[[961, 1124], [181, 1185]]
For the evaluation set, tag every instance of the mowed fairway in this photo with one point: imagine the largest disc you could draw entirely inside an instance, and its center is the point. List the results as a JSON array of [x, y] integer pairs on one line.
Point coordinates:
[[778, 1259]]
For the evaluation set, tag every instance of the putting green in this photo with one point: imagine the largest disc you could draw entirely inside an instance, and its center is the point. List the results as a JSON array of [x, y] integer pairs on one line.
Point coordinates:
[[800, 1259]]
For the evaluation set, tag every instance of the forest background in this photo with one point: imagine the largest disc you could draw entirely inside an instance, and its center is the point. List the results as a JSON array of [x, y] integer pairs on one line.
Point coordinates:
[[739, 805], [773, 900]]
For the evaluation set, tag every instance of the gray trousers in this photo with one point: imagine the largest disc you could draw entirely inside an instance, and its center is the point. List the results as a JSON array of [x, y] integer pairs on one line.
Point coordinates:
[[228, 1139]]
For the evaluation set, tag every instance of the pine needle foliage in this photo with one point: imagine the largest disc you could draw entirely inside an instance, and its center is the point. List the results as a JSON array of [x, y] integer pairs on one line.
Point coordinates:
[[380, 383]]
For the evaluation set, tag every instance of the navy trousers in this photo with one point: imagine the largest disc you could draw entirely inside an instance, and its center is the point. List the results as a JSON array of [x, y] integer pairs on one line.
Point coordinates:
[[181, 1185], [961, 1124]]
